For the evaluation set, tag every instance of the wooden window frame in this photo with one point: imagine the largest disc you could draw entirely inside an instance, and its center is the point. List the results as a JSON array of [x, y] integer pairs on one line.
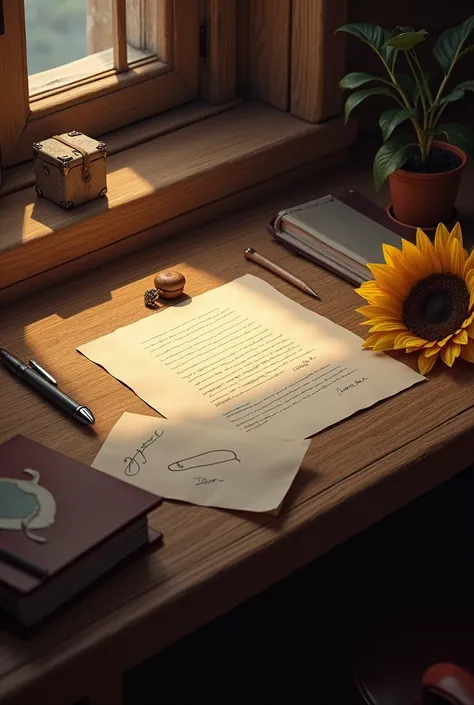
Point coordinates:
[[294, 60], [106, 101], [280, 52]]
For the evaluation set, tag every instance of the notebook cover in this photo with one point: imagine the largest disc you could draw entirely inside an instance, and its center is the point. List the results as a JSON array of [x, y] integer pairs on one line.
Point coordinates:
[[363, 205], [90, 507], [354, 200]]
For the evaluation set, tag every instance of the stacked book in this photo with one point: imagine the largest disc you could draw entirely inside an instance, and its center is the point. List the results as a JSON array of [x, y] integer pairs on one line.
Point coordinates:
[[341, 234], [63, 526]]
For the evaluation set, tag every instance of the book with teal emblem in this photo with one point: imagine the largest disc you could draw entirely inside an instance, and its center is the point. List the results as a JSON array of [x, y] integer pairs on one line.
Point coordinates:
[[62, 525]]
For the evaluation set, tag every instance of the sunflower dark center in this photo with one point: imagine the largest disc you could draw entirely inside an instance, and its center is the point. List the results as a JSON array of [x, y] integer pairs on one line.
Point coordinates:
[[436, 306]]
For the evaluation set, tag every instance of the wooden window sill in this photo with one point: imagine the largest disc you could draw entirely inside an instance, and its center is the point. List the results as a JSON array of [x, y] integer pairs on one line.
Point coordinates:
[[159, 180]]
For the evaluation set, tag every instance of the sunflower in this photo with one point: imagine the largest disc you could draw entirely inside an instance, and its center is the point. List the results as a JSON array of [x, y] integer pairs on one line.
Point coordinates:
[[422, 299]]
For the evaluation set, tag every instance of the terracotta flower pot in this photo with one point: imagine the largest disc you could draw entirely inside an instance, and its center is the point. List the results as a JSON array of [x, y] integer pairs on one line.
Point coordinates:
[[424, 200]]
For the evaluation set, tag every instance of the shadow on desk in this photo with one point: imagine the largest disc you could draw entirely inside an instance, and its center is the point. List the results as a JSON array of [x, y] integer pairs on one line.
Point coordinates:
[[292, 642]]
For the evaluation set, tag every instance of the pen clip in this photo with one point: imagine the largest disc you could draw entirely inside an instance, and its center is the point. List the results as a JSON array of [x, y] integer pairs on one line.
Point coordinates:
[[41, 371]]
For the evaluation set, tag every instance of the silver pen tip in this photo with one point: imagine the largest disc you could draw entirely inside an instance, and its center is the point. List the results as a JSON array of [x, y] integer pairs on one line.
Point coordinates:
[[313, 293], [84, 415]]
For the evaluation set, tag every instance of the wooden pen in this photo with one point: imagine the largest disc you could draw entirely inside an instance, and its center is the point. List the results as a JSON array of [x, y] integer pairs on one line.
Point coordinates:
[[279, 271]]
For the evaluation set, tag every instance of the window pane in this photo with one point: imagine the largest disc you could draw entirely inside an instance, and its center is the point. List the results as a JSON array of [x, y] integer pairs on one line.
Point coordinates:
[[67, 41]]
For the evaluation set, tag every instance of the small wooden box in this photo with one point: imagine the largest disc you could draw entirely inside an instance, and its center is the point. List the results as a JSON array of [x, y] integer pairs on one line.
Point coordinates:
[[70, 169]]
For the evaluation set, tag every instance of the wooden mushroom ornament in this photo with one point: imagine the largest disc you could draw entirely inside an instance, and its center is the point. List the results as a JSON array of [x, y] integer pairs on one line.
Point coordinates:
[[169, 284]]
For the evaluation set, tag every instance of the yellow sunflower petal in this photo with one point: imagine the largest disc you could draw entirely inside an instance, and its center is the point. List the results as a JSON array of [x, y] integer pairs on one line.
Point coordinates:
[[470, 329], [370, 322], [449, 353], [368, 291], [392, 255], [425, 246], [469, 265], [425, 362], [430, 343], [389, 303], [469, 278], [461, 337], [385, 342], [396, 259], [381, 319], [457, 259], [390, 280], [467, 351], [418, 265], [471, 300], [408, 340], [371, 340], [468, 320], [387, 326], [440, 245], [374, 311], [470, 289], [442, 343], [442, 234], [432, 351], [456, 233], [415, 342]]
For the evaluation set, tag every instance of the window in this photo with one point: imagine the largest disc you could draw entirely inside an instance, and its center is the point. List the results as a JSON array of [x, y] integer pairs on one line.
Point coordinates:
[[128, 59], [147, 56]]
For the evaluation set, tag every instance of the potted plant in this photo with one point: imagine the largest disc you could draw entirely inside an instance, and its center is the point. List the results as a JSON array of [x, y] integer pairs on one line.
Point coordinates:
[[423, 164]]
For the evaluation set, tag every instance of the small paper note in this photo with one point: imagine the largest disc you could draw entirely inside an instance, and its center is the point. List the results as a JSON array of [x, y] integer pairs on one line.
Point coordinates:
[[206, 465]]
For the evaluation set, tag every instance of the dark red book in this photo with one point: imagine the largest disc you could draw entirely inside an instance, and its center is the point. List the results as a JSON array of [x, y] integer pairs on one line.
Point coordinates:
[[62, 525]]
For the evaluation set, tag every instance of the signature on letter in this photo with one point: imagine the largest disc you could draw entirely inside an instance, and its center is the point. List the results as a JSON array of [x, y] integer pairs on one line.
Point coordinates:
[[304, 363], [206, 480], [133, 463], [352, 385]]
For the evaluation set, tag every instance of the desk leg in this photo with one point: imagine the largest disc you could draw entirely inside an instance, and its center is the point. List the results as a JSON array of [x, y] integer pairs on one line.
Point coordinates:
[[108, 692]]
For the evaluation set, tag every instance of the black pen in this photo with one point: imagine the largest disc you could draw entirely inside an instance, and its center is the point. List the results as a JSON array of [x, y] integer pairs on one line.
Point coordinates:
[[41, 381]]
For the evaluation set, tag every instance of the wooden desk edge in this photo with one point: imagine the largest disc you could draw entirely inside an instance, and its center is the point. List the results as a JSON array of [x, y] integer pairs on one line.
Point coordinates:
[[361, 500]]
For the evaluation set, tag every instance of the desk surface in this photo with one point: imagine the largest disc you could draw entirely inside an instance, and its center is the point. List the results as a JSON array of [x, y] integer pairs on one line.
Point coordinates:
[[212, 559]]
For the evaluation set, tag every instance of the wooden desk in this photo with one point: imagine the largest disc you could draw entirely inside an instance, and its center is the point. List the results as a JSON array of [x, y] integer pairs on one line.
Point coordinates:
[[354, 474]]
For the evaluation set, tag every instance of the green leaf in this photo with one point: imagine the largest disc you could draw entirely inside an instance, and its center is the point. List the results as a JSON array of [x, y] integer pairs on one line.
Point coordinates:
[[373, 35], [458, 92], [400, 30], [356, 79], [466, 85], [392, 118], [356, 98], [454, 95], [391, 156], [450, 43], [458, 135], [407, 40]]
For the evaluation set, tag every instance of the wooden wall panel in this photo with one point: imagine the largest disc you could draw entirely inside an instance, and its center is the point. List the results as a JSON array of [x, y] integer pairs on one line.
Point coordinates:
[[218, 75], [269, 51], [317, 58], [14, 103], [242, 48]]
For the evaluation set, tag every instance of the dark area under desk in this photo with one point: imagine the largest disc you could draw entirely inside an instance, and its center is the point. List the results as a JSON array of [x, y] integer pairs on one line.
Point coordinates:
[[293, 642]]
